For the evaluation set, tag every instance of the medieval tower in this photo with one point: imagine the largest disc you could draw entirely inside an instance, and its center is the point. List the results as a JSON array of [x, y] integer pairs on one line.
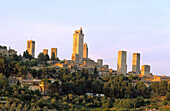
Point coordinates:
[[136, 63], [121, 63], [78, 40], [45, 51], [145, 70], [85, 51], [54, 50], [31, 47]]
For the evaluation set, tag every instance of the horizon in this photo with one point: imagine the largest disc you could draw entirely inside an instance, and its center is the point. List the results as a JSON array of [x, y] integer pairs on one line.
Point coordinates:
[[133, 26]]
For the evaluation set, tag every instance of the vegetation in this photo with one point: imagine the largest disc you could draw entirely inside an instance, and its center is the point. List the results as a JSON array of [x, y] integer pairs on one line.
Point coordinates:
[[3, 47], [73, 91]]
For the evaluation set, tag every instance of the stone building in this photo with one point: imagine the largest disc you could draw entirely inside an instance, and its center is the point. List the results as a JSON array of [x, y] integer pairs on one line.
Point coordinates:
[[136, 63], [54, 50], [31, 47], [100, 62], [11, 51], [5, 52], [89, 63], [106, 66], [85, 51], [121, 63], [45, 51], [145, 70], [78, 40]]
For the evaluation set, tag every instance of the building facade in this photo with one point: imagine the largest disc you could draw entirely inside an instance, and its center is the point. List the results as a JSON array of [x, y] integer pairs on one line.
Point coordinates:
[[54, 50], [121, 63], [31, 47], [78, 40], [85, 51], [136, 63], [145, 70], [5, 52], [45, 51], [100, 62]]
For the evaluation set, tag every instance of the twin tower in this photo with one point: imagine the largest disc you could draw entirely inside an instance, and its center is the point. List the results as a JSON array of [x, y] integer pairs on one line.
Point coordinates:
[[80, 49], [121, 63], [122, 67]]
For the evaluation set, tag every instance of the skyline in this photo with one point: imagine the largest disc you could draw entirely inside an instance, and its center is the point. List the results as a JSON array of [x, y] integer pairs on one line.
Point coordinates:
[[133, 26]]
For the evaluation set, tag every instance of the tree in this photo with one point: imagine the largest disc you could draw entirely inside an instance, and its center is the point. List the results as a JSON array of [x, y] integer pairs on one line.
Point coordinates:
[[46, 58], [129, 90], [54, 87], [96, 87], [155, 87], [4, 66], [3, 81], [27, 55], [95, 70], [41, 57], [22, 70], [44, 84], [53, 56], [163, 88], [141, 89], [168, 96]]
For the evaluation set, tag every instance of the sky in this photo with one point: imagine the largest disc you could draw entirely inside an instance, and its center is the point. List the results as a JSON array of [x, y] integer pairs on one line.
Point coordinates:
[[136, 26]]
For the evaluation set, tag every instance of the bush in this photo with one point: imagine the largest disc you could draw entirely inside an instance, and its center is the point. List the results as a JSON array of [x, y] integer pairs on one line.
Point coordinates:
[[168, 96]]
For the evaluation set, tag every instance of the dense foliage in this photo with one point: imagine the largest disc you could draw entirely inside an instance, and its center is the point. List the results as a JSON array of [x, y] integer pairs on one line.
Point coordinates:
[[70, 90]]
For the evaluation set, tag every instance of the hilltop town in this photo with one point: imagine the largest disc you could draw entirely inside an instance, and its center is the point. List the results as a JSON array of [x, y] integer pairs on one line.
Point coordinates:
[[80, 83]]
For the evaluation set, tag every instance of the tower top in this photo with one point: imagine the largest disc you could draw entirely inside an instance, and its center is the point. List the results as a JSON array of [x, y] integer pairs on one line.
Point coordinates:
[[81, 31]]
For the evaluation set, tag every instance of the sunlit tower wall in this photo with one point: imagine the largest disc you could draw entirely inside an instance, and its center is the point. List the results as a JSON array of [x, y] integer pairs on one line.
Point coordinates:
[[121, 63], [31, 47], [78, 40], [45, 51], [145, 70], [85, 51], [54, 50], [136, 63]]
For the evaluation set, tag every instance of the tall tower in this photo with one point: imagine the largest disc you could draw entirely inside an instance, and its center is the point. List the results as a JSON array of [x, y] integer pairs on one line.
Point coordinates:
[[145, 70], [31, 47], [136, 63], [121, 63], [85, 51], [54, 50], [78, 40], [45, 51]]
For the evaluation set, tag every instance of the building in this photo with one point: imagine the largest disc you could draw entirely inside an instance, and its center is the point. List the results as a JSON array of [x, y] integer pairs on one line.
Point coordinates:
[[78, 40], [100, 62], [89, 63], [45, 51], [85, 51], [54, 50], [121, 63], [145, 70], [5, 52], [136, 63], [31, 47], [106, 66]]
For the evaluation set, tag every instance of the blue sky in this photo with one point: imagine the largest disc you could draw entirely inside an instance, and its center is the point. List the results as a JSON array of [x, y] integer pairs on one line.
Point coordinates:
[[109, 26]]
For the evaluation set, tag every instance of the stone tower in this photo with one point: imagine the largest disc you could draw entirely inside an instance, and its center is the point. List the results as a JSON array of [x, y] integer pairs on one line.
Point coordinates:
[[55, 52], [100, 62], [45, 51], [136, 63], [78, 40], [31, 47], [121, 63], [145, 70], [85, 51]]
